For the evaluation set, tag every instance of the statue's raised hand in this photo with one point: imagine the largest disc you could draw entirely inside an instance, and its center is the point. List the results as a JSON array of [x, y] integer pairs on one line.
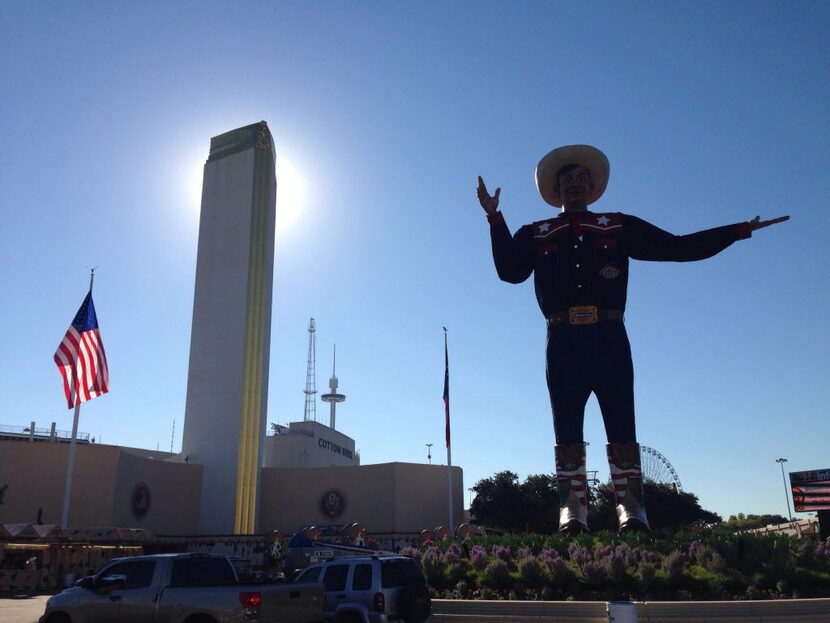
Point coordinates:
[[490, 204], [757, 223]]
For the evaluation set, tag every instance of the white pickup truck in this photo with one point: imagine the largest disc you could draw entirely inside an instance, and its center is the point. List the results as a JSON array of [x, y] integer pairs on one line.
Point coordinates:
[[182, 588]]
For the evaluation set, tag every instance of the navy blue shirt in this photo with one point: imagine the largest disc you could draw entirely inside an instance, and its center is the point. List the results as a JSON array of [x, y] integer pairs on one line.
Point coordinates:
[[581, 258]]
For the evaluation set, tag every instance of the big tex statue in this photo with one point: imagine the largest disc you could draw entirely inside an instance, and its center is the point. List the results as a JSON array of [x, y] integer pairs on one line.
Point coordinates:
[[579, 261]]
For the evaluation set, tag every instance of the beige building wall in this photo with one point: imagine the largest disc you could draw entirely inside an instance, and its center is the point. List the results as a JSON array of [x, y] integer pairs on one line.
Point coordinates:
[[386, 497], [104, 479], [175, 489], [309, 444], [36, 475]]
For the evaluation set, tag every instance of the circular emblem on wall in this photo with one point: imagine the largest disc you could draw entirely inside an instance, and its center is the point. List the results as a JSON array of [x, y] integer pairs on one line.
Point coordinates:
[[140, 500], [332, 503]]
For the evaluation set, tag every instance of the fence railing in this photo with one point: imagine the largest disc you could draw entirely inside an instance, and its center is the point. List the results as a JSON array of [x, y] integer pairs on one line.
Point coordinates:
[[779, 611], [41, 433]]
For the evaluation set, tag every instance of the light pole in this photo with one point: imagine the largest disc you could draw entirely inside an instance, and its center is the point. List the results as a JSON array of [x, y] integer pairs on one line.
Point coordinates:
[[429, 453], [781, 462]]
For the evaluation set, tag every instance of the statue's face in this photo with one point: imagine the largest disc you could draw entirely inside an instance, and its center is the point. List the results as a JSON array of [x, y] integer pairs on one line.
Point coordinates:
[[574, 187]]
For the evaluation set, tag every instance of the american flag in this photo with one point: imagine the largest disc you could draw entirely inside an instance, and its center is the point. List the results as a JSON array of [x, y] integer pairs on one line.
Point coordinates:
[[81, 359]]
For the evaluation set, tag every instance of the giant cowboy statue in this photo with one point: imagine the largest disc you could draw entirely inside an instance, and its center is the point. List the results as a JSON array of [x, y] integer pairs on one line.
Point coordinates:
[[579, 260]]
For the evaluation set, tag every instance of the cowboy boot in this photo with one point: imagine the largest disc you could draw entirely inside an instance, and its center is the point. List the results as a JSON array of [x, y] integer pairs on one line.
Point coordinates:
[[627, 478], [571, 481]]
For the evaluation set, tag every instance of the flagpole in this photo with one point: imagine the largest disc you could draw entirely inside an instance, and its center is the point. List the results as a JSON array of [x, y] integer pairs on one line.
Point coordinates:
[[449, 444], [67, 490]]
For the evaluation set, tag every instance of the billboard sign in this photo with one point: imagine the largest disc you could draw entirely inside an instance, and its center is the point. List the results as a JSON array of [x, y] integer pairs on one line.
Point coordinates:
[[811, 490]]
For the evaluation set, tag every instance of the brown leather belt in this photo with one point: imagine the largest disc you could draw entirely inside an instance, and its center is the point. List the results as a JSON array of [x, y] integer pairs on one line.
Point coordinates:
[[584, 314]]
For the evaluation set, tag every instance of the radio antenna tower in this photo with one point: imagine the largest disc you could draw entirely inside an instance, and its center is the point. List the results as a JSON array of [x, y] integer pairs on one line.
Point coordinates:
[[333, 397], [310, 377]]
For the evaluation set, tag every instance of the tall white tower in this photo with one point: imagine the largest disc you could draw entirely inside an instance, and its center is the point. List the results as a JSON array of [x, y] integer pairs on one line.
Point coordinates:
[[310, 412], [333, 397], [227, 382]]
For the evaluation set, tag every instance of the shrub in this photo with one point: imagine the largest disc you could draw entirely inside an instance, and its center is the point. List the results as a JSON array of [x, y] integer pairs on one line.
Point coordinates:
[[822, 555], [614, 563], [462, 590], [592, 574], [646, 572], [715, 563], [497, 575], [524, 552], [579, 554], [531, 574], [453, 554], [434, 568], [455, 573], [478, 557], [672, 566], [502, 552]]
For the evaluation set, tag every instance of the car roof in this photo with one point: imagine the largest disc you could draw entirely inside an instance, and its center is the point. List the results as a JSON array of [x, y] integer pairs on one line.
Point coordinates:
[[168, 556], [348, 559]]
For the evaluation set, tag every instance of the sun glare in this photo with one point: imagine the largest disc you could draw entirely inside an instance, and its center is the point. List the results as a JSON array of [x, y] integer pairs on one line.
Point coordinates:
[[289, 194], [195, 174], [290, 190]]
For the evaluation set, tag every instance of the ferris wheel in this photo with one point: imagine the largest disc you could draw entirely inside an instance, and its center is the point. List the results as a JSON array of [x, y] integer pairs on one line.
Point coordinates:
[[656, 468]]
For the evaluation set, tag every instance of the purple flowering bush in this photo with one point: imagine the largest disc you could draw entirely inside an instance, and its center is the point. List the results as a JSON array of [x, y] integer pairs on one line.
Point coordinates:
[[497, 575], [502, 552], [478, 557], [531, 573], [607, 566]]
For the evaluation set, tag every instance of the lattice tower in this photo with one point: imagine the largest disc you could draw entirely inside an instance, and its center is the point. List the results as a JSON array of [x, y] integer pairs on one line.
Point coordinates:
[[310, 377]]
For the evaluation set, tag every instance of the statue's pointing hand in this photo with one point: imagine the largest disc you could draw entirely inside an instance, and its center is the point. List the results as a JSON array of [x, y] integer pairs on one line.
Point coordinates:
[[490, 204], [757, 223]]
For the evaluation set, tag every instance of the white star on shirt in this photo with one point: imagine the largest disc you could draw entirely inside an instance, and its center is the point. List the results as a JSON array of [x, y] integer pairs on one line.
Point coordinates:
[[603, 220], [544, 227]]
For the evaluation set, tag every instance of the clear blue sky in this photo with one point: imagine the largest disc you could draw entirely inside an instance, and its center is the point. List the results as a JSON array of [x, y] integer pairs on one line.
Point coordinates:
[[384, 114]]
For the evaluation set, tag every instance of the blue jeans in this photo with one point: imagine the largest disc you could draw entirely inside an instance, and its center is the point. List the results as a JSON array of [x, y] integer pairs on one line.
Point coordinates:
[[591, 358]]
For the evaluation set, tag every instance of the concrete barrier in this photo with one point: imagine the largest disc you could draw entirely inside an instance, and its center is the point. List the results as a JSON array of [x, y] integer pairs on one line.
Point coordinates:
[[778, 611]]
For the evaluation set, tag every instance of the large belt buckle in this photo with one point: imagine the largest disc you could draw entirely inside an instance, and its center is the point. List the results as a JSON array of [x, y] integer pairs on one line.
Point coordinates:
[[585, 314]]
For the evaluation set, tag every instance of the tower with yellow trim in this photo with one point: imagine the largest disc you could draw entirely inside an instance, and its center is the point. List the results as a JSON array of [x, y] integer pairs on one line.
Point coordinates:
[[227, 383]]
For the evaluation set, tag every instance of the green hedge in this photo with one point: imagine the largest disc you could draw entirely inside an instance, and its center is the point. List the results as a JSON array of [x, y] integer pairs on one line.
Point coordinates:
[[636, 566]]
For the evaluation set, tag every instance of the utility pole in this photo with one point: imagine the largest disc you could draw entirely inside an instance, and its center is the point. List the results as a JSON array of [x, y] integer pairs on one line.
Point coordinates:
[[781, 462]]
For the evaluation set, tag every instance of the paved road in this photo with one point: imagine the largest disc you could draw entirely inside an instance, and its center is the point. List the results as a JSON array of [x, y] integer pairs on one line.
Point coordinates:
[[22, 609]]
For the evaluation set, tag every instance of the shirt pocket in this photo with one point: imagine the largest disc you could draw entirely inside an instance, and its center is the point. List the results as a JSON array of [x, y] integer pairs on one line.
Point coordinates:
[[547, 256], [606, 251]]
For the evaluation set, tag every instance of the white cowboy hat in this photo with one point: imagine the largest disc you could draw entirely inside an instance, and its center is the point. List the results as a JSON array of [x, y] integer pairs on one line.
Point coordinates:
[[584, 155]]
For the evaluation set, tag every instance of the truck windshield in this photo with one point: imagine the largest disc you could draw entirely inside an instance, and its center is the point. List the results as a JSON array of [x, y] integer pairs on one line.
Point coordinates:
[[400, 573], [202, 571]]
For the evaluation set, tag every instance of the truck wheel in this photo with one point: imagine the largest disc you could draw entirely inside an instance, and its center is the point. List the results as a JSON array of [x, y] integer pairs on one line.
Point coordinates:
[[200, 618], [415, 605], [349, 617], [59, 617]]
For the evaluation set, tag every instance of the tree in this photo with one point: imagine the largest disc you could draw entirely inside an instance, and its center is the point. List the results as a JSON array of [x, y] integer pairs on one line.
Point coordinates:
[[501, 502], [540, 503], [750, 522], [666, 508], [498, 502]]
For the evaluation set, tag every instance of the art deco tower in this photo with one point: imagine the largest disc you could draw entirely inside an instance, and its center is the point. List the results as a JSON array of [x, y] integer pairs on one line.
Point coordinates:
[[227, 383]]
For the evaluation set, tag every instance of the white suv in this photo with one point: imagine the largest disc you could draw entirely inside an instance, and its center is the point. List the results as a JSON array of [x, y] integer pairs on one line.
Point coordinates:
[[372, 589]]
